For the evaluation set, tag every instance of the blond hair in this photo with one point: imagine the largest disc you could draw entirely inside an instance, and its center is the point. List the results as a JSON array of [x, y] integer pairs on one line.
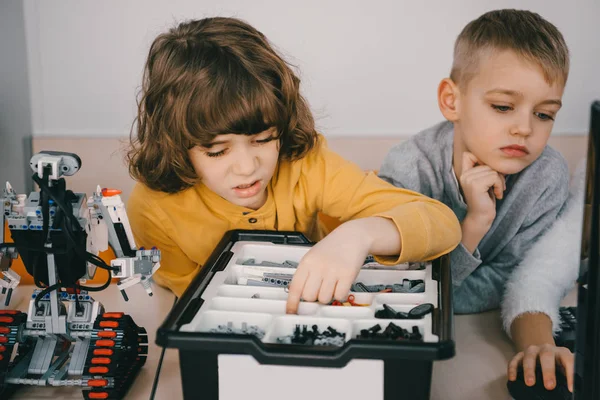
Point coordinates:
[[524, 32]]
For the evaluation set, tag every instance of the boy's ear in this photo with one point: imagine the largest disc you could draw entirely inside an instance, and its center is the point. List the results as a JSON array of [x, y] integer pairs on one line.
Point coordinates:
[[448, 99]]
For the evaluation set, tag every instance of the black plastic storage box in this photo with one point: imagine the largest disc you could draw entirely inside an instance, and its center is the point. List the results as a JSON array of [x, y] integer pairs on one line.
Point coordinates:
[[234, 310]]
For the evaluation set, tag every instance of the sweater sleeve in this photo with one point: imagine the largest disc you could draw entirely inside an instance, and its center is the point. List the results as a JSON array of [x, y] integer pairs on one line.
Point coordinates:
[[428, 228], [409, 165], [490, 276], [151, 228], [551, 266]]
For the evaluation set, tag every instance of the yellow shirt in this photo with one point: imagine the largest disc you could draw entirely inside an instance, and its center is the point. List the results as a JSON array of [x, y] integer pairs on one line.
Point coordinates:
[[186, 226]]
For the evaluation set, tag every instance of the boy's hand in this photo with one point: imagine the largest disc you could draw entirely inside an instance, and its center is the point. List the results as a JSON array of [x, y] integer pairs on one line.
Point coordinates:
[[550, 356], [329, 268], [481, 186]]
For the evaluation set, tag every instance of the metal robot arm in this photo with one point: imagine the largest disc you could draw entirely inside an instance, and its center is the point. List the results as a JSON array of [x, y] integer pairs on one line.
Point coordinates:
[[10, 279], [109, 225]]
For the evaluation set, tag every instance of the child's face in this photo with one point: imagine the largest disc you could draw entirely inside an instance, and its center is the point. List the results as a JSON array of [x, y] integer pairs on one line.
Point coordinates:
[[507, 111], [238, 167]]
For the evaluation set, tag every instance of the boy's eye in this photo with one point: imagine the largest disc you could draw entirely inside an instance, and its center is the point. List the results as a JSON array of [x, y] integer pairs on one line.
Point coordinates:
[[217, 154], [543, 117], [501, 108], [266, 140]]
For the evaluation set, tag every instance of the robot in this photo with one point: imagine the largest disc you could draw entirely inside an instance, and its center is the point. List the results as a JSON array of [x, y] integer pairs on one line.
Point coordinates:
[[66, 338]]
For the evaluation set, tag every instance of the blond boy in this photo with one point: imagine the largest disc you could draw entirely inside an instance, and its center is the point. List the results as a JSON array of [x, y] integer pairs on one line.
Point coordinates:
[[489, 161]]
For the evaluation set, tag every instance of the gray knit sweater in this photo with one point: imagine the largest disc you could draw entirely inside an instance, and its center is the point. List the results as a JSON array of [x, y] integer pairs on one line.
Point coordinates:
[[532, 201]]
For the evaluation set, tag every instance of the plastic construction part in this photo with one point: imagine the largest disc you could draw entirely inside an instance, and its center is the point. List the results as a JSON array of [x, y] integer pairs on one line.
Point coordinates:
[[407, 286], [350, 302], [302, 335], [278, 279], [285, 264], [268, 279], [107, 192], [391, 332], [416, 312], [244, 330], [389, 313], [421, 310]]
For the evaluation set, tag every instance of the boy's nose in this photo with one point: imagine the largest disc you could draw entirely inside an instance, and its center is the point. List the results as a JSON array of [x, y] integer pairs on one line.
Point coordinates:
[[522, 127], [245, 164]]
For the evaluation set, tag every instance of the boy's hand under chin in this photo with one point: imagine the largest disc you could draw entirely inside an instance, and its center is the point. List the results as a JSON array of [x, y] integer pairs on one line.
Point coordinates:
[[481, 186], [329, 268]]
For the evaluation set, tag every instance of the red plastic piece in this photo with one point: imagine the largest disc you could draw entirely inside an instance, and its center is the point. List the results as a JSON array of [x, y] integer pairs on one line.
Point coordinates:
[[107, 192], [105, 342], [98, 370], [109, 324], [113, 315], [100, 360], [98, 395], [97, 382], [103, 352]]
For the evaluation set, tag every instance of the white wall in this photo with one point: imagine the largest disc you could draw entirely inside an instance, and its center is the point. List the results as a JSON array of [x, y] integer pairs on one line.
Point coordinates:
[[368, 67], [15, 112]]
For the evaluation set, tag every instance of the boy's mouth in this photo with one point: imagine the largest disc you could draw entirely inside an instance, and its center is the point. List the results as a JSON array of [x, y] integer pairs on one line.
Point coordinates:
[[515, 150], [245, 186], [246, 190]]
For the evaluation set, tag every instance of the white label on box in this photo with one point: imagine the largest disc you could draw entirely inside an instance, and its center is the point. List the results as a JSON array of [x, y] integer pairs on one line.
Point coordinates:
[[241, 377]]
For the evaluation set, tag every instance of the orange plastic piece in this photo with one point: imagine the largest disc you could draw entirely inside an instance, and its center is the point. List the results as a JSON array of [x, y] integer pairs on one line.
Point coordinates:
[[2, 348], [1, 357], [107, 192], [98, 370], [113, 315], [7, 320], [100, 360], [4, 329], [107, 334], [3, 339], [97, 382], [109, 324], [98, 395], [103, 352], [105, 342], [12, 312]]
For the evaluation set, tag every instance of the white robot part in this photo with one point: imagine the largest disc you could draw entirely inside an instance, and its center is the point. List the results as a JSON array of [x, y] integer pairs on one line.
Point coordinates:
[[118, 214], [60, 164], [136, 270]]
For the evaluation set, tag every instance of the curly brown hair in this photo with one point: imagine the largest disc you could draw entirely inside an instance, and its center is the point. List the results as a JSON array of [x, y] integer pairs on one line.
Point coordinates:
[[209, 77]]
